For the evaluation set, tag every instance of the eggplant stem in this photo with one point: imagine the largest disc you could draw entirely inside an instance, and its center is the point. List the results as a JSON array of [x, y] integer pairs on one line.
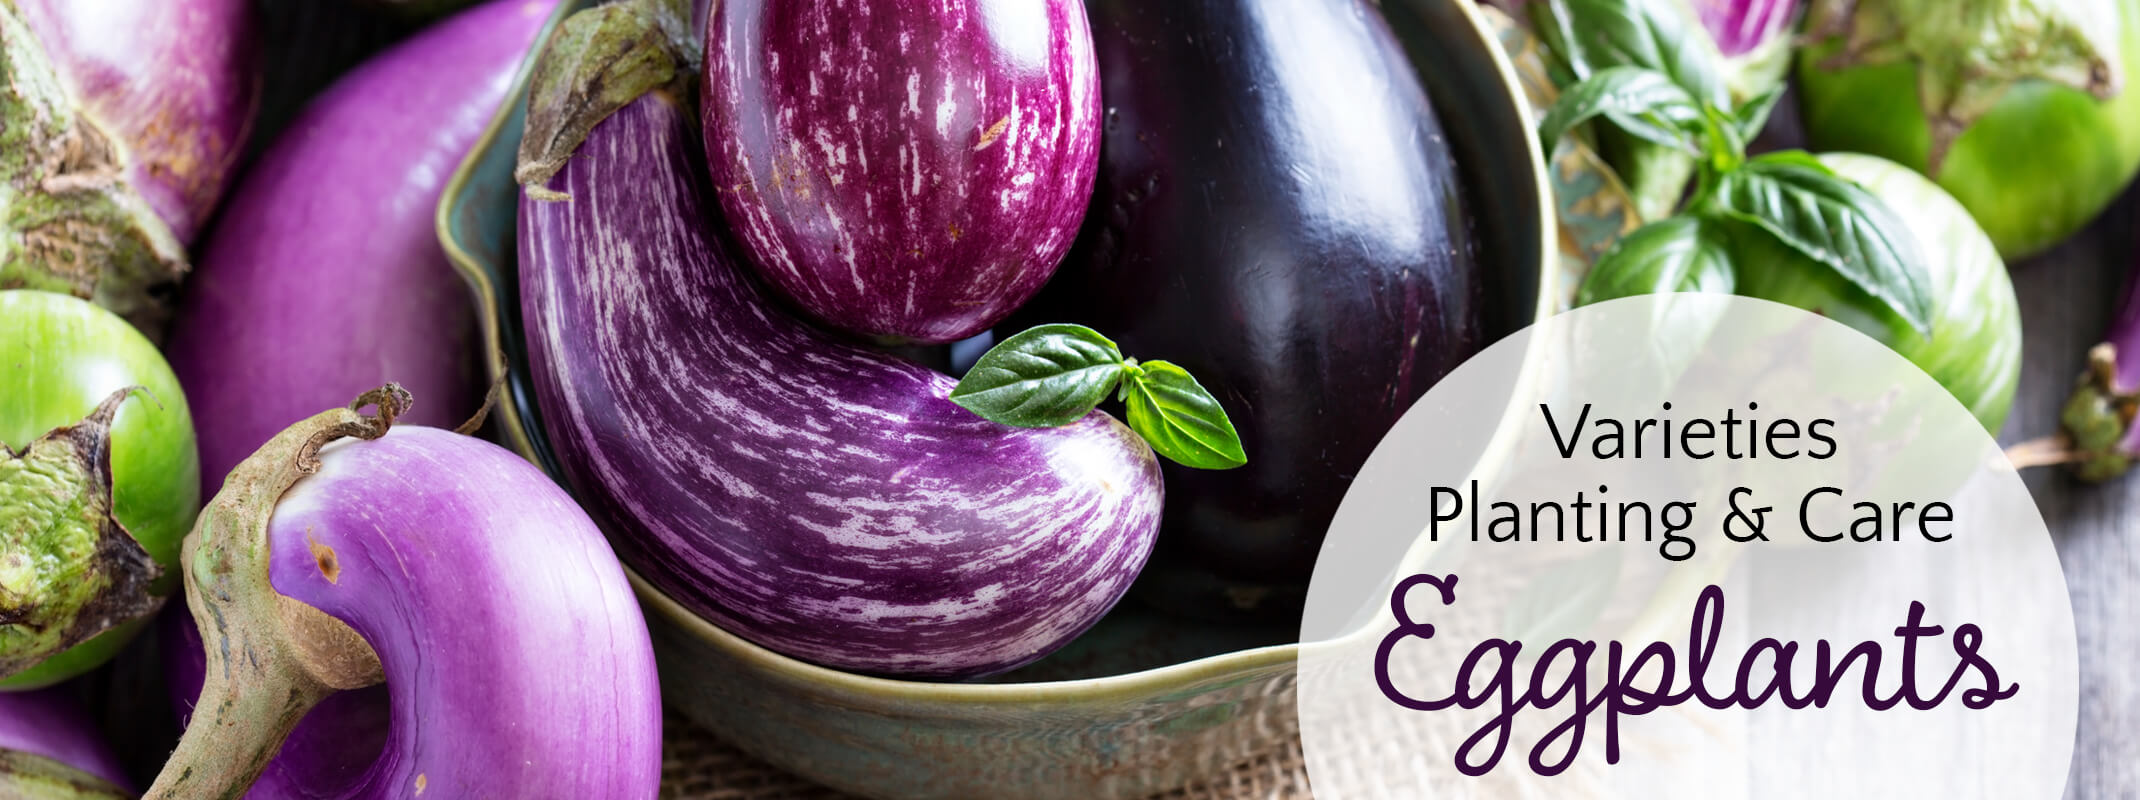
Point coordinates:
[[270, 658], [490, 401], [2048, 451]]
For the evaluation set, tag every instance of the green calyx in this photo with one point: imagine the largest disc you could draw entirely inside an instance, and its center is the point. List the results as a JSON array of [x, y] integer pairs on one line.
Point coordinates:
[[68, 569], [599, 61], [1968, 52], [69, 222], [31, 776], [270, 658], [2097, 417]]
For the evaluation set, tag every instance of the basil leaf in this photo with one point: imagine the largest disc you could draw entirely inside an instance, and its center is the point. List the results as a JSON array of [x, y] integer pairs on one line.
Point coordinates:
[[1836, 223], [1180, 420], [1045, 377], [1594, 35], [1680, 254], [1753, 114], [1642, 102]]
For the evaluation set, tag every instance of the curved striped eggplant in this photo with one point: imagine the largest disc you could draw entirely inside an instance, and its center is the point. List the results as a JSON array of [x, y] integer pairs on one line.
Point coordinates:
[[324, 276], [47, 744], [1279, 212], [904, 169], [514, 656], [816, 497]]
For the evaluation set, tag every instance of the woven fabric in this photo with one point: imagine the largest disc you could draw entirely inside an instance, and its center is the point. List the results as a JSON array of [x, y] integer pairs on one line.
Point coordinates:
[[697, 766]]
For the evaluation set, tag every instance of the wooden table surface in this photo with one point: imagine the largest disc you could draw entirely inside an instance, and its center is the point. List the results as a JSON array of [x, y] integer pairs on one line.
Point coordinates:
[[2067, 296]]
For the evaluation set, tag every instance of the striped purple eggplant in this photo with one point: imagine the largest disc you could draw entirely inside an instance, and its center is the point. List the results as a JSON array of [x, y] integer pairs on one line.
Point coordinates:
[[912, 170], [324, 276], [514, 657], [821, 499], [124, 119], [47, 744]]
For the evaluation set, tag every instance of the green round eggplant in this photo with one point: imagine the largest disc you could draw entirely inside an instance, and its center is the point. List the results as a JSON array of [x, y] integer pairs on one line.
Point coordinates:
[[2037, 156], [1974, 346], [60, 358]]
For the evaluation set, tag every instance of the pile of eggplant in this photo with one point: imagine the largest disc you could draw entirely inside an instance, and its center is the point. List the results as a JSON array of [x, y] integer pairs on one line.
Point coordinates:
[[244, 392], [1206, 251], [712, 262]]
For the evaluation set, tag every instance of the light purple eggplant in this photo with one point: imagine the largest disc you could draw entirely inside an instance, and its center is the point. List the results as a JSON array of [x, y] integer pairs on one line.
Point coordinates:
[[819, 498], [324, 276], [123, 120], [514, 657], [175, 82], [909, 170], [2100, 422], [50, 726]]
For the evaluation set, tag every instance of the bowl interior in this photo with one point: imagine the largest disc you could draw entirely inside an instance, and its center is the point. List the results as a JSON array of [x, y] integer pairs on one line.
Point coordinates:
[[1474, 91]]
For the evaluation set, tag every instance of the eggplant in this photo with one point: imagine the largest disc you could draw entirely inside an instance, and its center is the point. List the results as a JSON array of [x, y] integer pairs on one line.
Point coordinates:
[[351, 551], [816, 497], [325, 276], [1279, 212], [49, 749], [124, 120], [177, 82], [906, 170]]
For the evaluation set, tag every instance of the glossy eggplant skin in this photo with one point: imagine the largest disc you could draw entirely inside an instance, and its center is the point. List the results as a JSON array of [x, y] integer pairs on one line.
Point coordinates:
[[1278, 211], [973, 130]]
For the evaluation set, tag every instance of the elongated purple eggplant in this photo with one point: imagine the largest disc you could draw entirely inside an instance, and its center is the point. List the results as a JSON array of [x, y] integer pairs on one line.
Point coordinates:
[[1279, 212], [909, 169], [348, 551], [124, 119], [819, 498], [325, 275], [47, 744], [174, 84]]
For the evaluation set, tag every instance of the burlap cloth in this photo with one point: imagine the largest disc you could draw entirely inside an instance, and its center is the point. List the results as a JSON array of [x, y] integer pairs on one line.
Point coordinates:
[[697, 766]]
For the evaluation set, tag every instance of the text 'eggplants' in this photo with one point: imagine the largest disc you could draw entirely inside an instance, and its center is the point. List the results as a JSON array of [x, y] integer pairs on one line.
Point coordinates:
[[1279, 213], [349, 551], [325, 275], [906, 169], [821, 499], [49, 749], [124, 120]]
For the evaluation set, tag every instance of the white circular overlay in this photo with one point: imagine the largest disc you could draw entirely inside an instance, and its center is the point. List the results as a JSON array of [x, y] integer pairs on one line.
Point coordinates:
[[1688, 545]]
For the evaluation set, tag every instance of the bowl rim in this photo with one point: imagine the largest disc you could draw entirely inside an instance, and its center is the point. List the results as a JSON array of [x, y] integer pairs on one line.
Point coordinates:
[[1140, 683]]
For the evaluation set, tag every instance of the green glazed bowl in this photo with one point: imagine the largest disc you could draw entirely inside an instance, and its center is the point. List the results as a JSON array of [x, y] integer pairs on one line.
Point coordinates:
[[1140, 704]]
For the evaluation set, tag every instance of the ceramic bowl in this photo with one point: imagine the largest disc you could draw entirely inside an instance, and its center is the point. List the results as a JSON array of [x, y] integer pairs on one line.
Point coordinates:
[[1142, 703]]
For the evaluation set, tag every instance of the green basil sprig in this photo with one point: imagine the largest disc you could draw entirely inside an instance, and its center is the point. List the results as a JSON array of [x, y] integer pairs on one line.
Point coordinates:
[[1681, 254], [1632, 63], [1591, 36], [1052, 375]]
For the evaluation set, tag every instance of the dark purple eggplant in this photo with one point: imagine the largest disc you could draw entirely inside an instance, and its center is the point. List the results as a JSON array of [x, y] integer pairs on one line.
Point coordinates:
[[907, 169], [819, 498], [1277, 211]]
